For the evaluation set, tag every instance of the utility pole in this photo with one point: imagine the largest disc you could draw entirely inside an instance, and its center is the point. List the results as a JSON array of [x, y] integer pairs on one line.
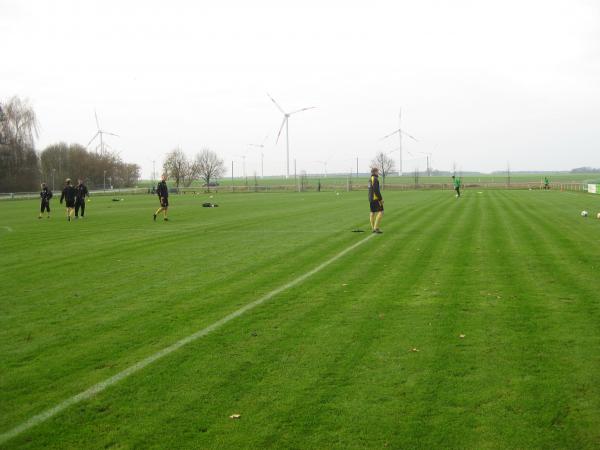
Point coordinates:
[[400, 141], [262, 165], [287, 146], [232, 175], [427, 155], [357, 167]]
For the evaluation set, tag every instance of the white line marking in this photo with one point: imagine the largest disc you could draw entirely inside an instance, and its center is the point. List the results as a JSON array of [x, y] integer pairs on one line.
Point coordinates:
[[9, 229], [99, 387]]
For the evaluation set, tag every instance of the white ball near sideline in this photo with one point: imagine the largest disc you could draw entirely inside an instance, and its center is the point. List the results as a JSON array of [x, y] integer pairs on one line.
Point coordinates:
[[584, 213]]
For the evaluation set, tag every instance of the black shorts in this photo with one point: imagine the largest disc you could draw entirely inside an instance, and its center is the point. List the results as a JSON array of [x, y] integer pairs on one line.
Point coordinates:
[[376, 206], [45, 206], [164, 202], [70, 204]]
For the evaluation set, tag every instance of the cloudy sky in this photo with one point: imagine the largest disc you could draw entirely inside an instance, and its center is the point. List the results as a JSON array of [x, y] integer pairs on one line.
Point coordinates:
[[481, 84]]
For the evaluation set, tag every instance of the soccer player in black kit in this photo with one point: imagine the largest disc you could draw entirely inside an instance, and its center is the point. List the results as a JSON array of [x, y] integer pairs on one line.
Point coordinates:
[[68, 194], [82, 193], [45, 196], [163, 195], [375, 201]]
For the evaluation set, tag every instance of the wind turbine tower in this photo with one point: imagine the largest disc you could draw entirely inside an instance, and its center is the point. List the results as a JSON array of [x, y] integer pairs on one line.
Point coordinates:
[[285, 121], [262, 155], [400, 132]]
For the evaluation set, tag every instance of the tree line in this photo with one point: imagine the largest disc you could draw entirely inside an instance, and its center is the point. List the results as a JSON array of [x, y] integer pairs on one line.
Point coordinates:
[[22, 168], [205, 165]]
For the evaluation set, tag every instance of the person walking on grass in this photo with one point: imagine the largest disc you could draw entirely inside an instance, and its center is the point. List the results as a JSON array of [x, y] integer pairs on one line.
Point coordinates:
[[375, 201], [457, 185], [82, 193], [68, 195], [546, 183], [45, 196], [163, 195]]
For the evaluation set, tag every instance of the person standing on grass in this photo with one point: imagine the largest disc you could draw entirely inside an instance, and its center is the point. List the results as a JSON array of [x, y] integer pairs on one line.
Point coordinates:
[[163, 195], [546, 183], [375, 201], [45, 196], [457, 184], [82, 193], [68, 195]]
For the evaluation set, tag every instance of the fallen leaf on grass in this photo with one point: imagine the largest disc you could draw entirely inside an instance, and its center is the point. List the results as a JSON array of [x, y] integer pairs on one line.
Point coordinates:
[[415, 350], [462, 336], [235, 416]]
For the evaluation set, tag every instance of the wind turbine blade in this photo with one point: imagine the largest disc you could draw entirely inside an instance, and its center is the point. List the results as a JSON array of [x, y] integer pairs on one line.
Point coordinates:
[[92, 140], [280, 129], [276, 104], [97, 124], [406, 134], [265, 140], [391, 134], [303, 109], [112, 134]]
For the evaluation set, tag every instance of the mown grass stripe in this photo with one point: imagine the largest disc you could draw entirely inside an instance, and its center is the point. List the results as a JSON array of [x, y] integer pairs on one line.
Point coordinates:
[[94, 390]]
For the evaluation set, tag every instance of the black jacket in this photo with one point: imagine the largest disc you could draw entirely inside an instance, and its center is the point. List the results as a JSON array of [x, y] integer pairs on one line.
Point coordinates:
[[162, 189], [45, 195], [68, 193], [82, 191], [374, 192]]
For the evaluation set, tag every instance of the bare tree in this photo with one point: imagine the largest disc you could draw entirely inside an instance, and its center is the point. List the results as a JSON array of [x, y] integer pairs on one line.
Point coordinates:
[[19, 163], [384, 163], [209, 166], [62, 160], [18, 122], [176, 166], [191, 173]]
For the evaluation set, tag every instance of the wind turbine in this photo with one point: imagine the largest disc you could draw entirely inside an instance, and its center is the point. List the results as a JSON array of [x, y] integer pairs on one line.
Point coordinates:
[[243, 164], [262, 155], [324, 163], [400, 132], [100, 133], [286, 116], [428, 155]]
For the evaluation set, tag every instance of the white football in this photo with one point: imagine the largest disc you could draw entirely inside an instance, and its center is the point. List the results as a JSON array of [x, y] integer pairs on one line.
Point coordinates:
[[584, 213], [598, 216]]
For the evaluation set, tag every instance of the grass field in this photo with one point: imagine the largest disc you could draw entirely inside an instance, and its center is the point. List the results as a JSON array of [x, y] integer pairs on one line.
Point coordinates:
[[365, 353], [407, 179]]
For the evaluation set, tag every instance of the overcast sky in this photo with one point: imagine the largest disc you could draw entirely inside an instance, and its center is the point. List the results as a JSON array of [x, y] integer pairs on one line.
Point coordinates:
[[481, 84]]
